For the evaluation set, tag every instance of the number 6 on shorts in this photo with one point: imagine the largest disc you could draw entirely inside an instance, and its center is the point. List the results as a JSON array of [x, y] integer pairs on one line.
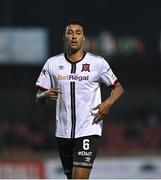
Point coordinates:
[[86, 144]]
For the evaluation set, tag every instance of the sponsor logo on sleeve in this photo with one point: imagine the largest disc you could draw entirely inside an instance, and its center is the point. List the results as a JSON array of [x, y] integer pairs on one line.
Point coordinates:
[[61, 67], [43, 72]]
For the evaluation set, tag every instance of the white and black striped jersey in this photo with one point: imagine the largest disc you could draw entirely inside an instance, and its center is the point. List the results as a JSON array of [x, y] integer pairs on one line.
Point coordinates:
[[79, 83]]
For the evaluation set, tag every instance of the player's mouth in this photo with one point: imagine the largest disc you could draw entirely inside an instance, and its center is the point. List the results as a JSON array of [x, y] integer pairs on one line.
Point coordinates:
[[74, 43]]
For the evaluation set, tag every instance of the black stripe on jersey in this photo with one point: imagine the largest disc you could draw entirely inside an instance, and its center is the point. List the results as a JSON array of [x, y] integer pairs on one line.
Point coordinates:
[[73, 70], [73, 107]]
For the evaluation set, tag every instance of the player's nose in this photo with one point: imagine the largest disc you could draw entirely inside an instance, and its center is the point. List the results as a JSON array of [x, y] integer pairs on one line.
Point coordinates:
[[74, 36]]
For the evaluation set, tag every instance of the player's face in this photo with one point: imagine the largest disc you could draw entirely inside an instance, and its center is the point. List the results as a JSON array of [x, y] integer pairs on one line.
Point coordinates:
[[74, 37]]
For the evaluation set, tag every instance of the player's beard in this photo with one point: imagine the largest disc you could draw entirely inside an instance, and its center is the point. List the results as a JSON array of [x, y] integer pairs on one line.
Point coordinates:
[[72, 50]]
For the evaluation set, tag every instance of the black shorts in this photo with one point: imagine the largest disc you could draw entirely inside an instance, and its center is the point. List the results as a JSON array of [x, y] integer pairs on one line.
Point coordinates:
[[78, 152]]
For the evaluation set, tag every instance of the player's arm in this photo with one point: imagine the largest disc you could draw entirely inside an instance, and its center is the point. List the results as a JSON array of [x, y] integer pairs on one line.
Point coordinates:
[[43, 96], [117, 91], [104, 107]]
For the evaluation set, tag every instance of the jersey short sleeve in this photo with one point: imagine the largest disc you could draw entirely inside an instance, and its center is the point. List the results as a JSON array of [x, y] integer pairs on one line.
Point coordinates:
[[106, 74], [44, 80]]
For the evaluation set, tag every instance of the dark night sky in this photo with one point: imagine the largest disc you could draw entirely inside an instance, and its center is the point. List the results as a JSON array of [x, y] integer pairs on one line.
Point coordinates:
[[124, 14]]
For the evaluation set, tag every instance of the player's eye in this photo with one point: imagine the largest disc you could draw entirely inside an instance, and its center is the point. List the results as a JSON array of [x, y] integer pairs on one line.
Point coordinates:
[[79, 32], [69, 32]]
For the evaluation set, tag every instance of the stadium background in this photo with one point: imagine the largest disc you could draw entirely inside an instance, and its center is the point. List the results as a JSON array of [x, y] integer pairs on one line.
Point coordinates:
[[128, 35]]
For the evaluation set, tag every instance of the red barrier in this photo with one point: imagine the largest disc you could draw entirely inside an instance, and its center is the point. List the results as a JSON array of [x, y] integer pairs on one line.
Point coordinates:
[[21, 169]]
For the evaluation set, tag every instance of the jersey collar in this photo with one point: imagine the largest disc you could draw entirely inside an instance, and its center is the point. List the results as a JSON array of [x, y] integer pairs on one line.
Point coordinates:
[[66, 57]]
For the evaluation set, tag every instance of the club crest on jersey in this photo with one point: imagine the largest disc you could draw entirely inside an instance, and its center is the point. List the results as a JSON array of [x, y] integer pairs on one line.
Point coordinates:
[[85, 67]]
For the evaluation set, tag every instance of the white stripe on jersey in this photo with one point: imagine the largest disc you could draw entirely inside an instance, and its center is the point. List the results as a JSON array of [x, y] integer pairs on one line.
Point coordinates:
[[80, 86]]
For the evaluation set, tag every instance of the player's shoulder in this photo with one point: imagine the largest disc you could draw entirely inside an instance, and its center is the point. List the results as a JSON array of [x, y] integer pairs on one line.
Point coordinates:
[[55, 58], [95, 56], [96, 59]]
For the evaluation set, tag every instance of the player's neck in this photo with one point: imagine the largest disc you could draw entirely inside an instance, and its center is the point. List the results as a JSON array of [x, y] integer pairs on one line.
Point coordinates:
[[75, 56]]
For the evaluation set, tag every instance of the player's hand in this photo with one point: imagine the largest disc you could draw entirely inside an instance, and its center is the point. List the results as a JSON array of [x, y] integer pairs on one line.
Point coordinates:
[[53, 93], [103, 110]]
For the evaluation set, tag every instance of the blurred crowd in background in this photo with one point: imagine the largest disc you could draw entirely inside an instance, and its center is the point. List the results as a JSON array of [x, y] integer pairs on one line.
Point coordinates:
[[137, 136], [127, 34]]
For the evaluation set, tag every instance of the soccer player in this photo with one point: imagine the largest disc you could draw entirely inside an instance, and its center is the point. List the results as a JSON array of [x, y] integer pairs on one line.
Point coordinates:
[[72, 79]]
